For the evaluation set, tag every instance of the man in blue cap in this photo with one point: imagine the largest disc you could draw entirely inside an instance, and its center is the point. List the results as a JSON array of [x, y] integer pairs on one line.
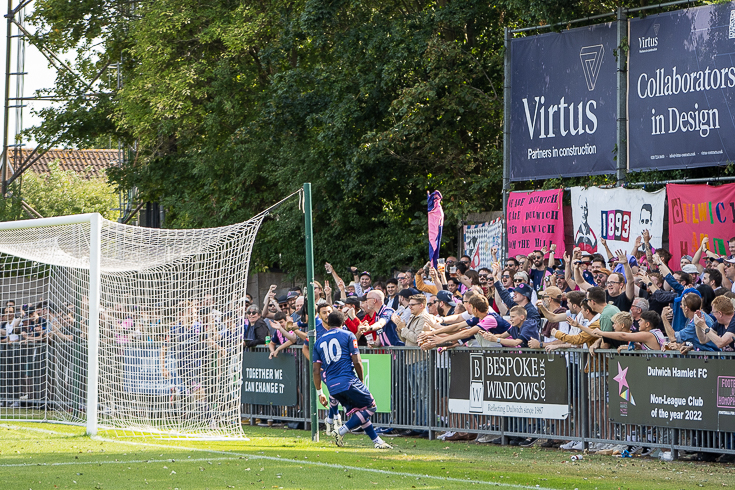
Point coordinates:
[[446, 303], [521, 297]]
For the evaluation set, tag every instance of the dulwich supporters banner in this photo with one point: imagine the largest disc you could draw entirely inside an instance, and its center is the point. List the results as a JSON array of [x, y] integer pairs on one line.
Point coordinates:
[[686, 393], [696, 211], [479, 241], [535, 219], [563, 103], [681, 89], [509, 384], [618, 215]]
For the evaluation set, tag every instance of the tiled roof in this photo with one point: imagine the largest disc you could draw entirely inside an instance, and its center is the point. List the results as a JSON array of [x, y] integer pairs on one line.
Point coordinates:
[[87, 163]]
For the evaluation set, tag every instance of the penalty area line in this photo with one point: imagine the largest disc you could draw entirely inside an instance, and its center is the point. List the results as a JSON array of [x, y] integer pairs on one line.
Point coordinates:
[[36, 429], [324, 465]]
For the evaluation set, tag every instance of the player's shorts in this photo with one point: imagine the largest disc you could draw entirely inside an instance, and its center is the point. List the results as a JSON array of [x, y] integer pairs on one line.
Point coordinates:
[[356, 397]]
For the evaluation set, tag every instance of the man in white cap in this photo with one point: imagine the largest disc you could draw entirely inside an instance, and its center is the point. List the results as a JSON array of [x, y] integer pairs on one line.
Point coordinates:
[[730, 271], [692, 270]]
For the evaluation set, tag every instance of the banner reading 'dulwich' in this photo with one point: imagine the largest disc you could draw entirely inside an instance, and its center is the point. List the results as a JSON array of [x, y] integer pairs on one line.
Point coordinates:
[[535, 220], [698, 211]]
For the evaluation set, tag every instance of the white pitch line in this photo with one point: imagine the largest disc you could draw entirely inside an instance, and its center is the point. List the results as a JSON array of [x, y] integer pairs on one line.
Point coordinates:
[[237, 456], [131, 461], [328, 465], [34, 429]]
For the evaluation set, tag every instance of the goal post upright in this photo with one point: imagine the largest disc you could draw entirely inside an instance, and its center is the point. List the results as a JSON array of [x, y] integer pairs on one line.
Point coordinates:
[[95, 280], [95, 253]]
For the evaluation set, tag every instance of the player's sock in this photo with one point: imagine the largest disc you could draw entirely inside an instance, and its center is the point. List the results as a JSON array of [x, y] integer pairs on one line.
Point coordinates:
[[333, 411], [353, 423], [370, 431], [328, 420], [343, 430]]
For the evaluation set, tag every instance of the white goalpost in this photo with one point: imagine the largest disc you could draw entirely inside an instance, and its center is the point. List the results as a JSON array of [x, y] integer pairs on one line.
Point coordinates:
[[123, 327]]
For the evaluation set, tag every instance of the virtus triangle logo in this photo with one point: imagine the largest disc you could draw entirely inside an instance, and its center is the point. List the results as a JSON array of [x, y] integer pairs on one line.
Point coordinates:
[[656, 27], [591, 57]]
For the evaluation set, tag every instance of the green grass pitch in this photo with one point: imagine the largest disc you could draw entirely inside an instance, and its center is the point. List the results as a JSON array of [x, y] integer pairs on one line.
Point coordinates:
[[47, 456]]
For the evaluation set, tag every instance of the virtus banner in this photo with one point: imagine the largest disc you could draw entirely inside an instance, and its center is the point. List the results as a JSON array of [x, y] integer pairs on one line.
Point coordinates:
[[563, 93], [681, 89]]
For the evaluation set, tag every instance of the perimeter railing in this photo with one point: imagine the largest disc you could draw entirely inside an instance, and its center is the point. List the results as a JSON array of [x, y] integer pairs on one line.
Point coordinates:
[[417, 398]]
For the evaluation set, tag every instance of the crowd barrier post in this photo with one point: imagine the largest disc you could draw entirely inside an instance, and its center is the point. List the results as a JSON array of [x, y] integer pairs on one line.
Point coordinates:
[[583, 387], [431, 380]]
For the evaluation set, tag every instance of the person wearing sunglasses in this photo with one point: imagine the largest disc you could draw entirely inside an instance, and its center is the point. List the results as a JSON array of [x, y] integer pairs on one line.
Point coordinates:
[[729, 266], [522, 278], [539, 270], [522, 294], [507, 278], [432, 305], [713, 278], [446, 303], [512, 265], [257, 329]]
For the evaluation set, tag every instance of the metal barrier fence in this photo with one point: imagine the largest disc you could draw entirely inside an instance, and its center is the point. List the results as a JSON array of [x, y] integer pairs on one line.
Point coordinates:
[[31, 385], [419, 393]]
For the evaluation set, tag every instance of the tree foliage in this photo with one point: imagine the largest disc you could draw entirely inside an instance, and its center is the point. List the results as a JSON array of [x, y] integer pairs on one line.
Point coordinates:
[[61, 193], [233, 105]]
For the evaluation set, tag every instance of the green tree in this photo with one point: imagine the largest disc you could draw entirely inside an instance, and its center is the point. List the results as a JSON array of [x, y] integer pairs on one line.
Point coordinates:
[[64, 192], [233, 105]]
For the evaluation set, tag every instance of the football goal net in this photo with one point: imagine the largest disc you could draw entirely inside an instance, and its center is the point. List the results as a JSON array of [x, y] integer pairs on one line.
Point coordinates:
[[122, 327]]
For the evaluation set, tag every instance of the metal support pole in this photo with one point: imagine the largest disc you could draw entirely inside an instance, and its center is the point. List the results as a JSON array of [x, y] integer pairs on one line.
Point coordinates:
[[310, 306], [432, 391], [584, 411], [6, 123], [622, 82], [506, 135]]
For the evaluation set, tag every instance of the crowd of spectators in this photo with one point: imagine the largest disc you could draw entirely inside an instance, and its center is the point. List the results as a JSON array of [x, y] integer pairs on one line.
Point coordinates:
[[626, 300]]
